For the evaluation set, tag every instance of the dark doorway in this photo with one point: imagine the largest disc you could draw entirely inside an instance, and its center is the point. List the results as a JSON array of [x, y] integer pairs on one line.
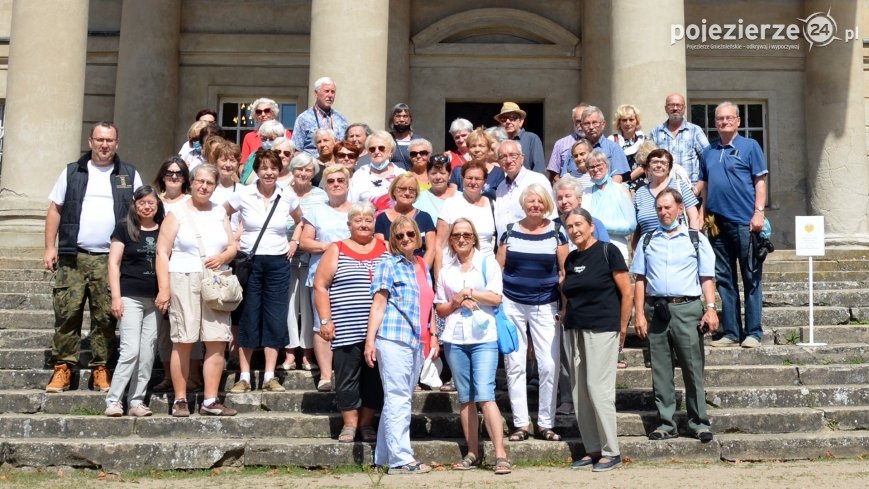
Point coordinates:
[[483, 114]]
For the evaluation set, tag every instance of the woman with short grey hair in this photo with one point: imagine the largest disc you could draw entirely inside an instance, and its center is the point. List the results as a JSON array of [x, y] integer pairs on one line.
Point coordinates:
[[268, 132], [459, 130]]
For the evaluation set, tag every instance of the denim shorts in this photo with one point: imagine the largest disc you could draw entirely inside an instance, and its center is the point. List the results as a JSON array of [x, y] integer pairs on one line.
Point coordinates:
[[473, 368]]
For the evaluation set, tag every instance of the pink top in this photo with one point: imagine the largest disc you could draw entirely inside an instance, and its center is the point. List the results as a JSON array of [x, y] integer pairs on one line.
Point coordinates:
[[426, 304]]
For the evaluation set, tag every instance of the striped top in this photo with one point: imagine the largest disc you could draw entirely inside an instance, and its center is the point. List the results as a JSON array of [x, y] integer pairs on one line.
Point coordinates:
[[350, 293], [644, 202], [531, 265]]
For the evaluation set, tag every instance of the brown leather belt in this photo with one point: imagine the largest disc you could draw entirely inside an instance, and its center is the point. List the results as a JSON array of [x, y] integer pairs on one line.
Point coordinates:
[[673, 300]]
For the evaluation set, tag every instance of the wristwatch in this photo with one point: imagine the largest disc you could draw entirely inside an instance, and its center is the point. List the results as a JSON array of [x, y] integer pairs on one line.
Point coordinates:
[[759, 209], [711, 305], [298, 243], [326, 321]]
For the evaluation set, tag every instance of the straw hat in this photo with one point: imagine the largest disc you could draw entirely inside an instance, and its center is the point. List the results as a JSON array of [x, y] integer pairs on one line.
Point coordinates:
[[509, 108]]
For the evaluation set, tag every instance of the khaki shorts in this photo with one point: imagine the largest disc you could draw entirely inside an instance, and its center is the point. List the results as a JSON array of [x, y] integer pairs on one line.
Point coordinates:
[[189, 319]]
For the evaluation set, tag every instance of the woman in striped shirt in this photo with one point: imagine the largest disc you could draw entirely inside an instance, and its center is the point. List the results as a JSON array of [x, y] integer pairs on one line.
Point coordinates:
[[342, 295]]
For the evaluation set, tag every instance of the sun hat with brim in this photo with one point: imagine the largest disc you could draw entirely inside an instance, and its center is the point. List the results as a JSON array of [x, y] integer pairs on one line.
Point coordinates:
[[510, 108]]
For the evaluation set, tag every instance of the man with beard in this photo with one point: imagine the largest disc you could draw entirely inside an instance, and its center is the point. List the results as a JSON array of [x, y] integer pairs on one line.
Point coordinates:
[[319, 116]]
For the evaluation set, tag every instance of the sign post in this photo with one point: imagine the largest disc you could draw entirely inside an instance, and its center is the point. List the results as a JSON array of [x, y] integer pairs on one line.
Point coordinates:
[[810, 242]]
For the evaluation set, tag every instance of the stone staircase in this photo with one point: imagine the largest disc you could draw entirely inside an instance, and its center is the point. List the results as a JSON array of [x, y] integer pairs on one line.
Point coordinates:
[[777, 402]]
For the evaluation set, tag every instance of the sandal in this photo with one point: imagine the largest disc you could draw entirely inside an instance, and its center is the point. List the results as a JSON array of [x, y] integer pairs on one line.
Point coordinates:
[[412, 468], [659, 435], [621, 363], [347, 435], [467, 463], [448, 387], [547, 434], [367, 434], [519, 435], [503, 466]]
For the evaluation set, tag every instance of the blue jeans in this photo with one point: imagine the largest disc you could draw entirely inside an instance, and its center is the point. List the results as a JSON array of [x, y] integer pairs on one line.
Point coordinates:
[[264, 318], [731, 246], [399, 371], [473, 368]]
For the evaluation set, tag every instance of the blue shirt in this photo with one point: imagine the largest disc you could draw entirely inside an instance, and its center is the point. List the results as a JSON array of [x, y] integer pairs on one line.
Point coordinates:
[[614, 153], [310, 120], [532, 148], [561, 157], [401, 321], [669, 264], [729, 171], [686, 146], [644, 202]]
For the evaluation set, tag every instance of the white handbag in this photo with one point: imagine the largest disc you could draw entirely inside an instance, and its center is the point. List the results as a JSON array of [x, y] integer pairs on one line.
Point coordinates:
[[430, 374]]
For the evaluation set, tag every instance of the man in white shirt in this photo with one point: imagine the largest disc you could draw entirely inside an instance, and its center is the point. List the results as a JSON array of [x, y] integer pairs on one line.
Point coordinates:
[[90, 196], [507, 207]]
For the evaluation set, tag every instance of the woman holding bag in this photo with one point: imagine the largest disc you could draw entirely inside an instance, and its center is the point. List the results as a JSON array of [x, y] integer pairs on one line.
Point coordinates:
[[133, 283], [468, 289], [265, 210], [179, 278], [400, 312], [610, 201]]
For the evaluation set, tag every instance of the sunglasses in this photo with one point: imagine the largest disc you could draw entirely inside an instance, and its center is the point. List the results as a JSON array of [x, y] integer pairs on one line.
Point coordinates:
[[285, 152], [465, 236], [381, 149], [346, 156], [330, 181], [262, 111], [409, 234], [414, 154], [173, 173]]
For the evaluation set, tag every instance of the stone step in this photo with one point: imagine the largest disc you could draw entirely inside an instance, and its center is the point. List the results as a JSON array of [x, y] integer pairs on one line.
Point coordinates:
[[26, 275], [21, 252], [836, 334], [843, 298], [774, 317], [28, 286], [307, 401], [25, 301], [33, 319], [434, 425], [850, 353], [802, 276], [21, 263], [134, 453], [804, 286], [822, 265], [831, 254]]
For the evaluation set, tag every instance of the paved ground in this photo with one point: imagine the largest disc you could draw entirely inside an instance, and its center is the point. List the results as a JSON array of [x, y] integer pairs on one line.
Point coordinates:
[[829, 474]]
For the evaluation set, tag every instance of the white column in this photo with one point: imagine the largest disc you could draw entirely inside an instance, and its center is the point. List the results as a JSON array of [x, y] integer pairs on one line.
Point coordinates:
[[44, 107], [146, 92], [836, 131], [349, 43]]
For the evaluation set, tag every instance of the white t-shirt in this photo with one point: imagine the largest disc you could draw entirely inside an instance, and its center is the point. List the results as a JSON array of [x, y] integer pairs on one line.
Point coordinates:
[[97, 220], [172, 206], [367, 186], [330, 225], [221, 195], [185, 251], [459, 327], [248, 202], [457, 206], [508, 209]]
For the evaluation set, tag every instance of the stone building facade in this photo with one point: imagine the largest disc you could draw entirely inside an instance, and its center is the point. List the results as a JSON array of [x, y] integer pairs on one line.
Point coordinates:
[[149, 66]]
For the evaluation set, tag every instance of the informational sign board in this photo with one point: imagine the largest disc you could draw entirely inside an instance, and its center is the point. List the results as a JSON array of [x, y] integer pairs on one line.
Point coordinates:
[[809, 234]]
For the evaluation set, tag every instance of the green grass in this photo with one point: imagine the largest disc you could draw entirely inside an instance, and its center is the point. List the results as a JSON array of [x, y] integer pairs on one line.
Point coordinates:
[[863, 322], [855, 360], [85, 411]]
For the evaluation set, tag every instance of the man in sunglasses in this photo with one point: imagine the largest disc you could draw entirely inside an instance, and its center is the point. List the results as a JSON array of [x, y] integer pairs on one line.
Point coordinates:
[[89, 198], [512, 118], [320, 116]]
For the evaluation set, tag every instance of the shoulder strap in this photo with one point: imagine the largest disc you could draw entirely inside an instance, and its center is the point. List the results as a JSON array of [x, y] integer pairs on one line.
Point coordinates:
[[509, 232], [193, 226], [693, 234], [484, 271], [646, 239], [265, 225]]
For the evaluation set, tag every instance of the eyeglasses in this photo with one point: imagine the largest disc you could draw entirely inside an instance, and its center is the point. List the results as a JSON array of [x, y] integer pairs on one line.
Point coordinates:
[[511, 117], [409, 234], [726, 118], [400, 190], [204, 183], [659, 162], [675, 106], [381, 149], [103, 140], [599, 166], [267, 110], [510, 156], [330, 181], [414, 154], [146, 203], [461, 236], [592, 124], [173, 173], [346, 156]]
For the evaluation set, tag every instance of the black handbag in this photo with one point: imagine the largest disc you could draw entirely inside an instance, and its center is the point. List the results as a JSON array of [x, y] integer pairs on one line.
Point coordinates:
[[243, 262]]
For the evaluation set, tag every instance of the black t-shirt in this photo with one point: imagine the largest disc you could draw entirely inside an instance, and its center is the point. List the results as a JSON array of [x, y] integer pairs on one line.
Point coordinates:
[[138, 275], [593, 300]]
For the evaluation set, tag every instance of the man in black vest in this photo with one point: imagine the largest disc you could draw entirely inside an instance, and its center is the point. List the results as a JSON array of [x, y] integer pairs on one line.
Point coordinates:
[[90, 196]]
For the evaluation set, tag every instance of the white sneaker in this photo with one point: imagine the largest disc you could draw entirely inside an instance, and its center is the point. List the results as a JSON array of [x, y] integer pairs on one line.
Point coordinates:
[[723, 341], [115, 410], [750, 342], [139, 410]]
